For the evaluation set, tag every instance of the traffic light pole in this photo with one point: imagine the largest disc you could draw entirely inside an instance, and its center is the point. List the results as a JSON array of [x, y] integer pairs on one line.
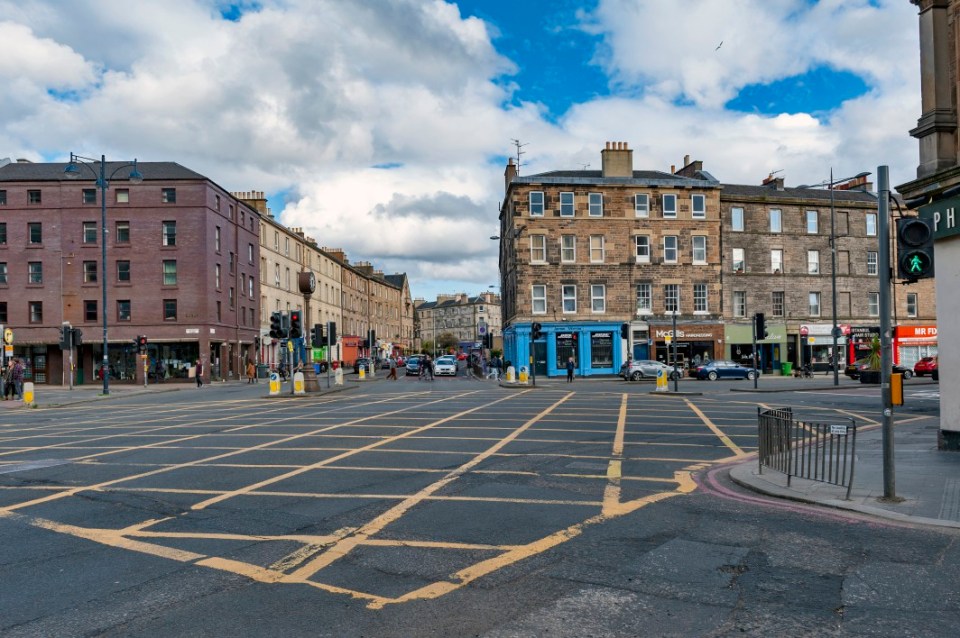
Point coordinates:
[[886, 352]]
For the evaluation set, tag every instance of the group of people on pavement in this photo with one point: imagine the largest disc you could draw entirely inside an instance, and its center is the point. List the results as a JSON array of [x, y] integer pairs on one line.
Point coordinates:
[[12, 379]]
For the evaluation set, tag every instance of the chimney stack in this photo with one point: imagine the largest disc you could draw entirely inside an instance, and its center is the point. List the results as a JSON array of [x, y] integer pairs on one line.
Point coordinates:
[[617, 160], [775, 183], [509, 174]]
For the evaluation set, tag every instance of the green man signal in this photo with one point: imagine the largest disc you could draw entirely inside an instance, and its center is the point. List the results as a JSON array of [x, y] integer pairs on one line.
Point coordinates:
[[914, 248]]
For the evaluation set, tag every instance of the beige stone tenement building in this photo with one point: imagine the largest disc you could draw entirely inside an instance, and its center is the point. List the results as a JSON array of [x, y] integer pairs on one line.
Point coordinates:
[[460, 315]]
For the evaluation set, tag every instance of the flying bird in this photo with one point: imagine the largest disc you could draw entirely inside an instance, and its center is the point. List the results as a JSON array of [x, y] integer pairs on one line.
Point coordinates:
[[719, 45]]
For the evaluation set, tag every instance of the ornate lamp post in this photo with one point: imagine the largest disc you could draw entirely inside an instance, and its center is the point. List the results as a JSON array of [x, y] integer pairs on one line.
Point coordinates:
[[72, 171]]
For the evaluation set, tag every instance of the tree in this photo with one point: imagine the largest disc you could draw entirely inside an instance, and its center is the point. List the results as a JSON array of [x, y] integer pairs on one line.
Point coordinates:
[[448, 341]]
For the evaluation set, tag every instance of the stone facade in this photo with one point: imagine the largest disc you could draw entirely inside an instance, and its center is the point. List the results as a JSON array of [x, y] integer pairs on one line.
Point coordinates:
[[460, 315]]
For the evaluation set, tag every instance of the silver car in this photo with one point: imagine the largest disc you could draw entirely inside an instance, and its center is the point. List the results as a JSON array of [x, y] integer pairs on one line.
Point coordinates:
[[445, 366], [647, 369]]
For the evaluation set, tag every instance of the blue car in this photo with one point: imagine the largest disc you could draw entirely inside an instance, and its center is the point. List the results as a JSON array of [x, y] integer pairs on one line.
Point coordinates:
[[723, 369]]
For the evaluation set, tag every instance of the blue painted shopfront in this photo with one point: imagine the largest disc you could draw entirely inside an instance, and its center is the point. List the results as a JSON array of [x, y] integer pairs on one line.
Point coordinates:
[[596, 348]]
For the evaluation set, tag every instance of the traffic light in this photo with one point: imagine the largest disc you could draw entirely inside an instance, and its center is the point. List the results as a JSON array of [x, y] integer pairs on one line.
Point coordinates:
[[760, 323], [914, 248], [256, 343], [317, 337], [136, 342], [536, 330], [276, 326], [65, 334], [77, 337], [142, 343], [624, 330], [332, 331], [284, 325], [364, 343], [296, 324]]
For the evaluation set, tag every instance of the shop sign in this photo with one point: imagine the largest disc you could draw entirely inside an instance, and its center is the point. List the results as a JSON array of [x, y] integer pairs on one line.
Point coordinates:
[[916, 334], [682, 334], [823, 329], [944, 216]]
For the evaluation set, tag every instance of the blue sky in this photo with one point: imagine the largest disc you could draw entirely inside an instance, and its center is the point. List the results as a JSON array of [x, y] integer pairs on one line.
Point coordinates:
[[382, 127]]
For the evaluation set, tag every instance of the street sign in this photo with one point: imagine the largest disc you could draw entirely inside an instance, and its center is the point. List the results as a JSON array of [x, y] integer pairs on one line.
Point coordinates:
[[667, 338], [482, 328], [811, 341], [838, 429], [8, 336], [804, 331]]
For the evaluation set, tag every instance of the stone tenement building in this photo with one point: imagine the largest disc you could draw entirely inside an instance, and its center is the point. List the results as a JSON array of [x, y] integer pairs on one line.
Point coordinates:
[[460, 315], [605, 261], [777, 260], [583, 252], [935, 193]]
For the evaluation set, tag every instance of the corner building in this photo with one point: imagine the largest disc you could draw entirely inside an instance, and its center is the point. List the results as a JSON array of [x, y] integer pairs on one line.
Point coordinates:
[[605, 261]]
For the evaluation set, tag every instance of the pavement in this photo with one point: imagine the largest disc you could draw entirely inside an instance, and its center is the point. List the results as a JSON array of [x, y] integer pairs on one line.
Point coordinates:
[[926, 480]]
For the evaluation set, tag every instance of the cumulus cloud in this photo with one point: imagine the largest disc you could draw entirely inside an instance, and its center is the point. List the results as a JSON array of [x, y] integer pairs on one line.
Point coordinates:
[[386, 125]]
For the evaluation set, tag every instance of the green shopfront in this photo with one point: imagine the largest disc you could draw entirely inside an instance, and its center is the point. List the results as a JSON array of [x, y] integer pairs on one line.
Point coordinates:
[[772, 352]]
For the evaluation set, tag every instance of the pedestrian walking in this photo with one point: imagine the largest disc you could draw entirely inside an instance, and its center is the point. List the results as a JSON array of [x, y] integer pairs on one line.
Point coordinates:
[[570, 367], [159, 371], [198, 369], [9, 390], [393, 370], [428, 366], [251, 371]]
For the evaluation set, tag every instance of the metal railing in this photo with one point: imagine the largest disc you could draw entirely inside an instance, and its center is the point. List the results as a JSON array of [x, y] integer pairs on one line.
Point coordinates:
[[822, 452]]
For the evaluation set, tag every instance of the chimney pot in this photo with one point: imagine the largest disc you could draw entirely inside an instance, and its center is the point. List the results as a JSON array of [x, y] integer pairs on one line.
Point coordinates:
[[686, 160]]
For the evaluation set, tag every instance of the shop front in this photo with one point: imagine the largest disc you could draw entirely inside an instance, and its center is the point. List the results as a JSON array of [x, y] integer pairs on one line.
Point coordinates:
[[816, 346], [695, 341], [912, 343], [771, 353], [596, 348]]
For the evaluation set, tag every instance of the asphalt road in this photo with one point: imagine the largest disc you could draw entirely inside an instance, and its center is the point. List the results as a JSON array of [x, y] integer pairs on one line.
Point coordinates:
[[444, 508]]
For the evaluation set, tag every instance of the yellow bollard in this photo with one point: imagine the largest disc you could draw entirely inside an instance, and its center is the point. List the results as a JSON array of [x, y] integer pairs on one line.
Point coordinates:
[[523, 375], [363, 372], [28, 393], [274, 384]]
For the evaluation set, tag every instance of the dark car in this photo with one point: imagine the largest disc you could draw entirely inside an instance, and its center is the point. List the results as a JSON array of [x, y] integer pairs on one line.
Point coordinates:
[[927, 365], [853, 369], [362, 361], [412, 366], [724, 369]]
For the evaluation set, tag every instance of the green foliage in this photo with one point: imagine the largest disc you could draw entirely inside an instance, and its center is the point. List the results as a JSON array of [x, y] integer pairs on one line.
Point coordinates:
[[447, 341], [875, 351]]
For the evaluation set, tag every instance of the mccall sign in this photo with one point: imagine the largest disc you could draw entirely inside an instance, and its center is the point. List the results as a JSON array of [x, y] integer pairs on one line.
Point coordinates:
[[661, 334]]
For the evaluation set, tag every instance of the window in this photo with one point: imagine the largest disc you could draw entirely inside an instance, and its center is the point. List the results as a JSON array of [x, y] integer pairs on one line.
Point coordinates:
[[736, 219], [35, 272], [538, 249], [813, 262], [596, 249], [700, 304], [123, 196], [777, 303], [169, 272], [216, 199], [89, 196], [3, 273], [598, 298], [873, 304], [216, 239], [699, 249], [216, 276], [698, 206], [776, 221], [813, 304], [35, 233], [231, 297], [566, 205], [89, 272], [872, 262], [596, 204], [669, 206], [642, 248], [89, 232], [168, 195], [671, 298], [3, 312], [286, 272], [568, 248], [738, 263], [33, 197], [670, 249], [286, 246], [3, 233], [536, 203], [220, 311], [90, 310], [123, 271], [568, 295], [122, 233], [233, 261], [3, 198], [813, 222], [276, 275], [644, 298], [739, 303], [36, 311], [169, 230], [539, 299], [642, 205], [776, 260], [250, 287], [249, 253], [123, 310], [276, 240], [871, 221], [911, 304]]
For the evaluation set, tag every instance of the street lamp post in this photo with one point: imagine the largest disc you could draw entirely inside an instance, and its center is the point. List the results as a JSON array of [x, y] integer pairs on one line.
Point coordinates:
[[72, 171]]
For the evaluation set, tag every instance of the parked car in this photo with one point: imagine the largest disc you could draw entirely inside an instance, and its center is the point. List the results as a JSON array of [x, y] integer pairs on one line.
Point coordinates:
[[927, 365], [412, 366], [724, 369], [462, 356], [445, 366], [853, 369], [362, 361], [646, 369]]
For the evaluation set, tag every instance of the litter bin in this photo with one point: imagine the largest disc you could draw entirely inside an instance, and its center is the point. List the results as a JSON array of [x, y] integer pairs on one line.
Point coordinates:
[[263, 371], [786, 368]]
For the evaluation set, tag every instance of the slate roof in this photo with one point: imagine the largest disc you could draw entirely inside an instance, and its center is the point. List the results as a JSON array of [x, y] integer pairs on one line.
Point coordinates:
[[648, 178], [746, 191], [45, 172]]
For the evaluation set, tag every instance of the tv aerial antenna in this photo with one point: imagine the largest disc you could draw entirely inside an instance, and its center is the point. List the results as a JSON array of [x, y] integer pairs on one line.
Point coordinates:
[[519, 145]]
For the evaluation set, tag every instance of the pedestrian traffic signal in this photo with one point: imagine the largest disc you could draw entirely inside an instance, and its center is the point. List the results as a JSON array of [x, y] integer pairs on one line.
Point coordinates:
[[65, 334], [142, 343], [332, 331], [914, 248], [77, 337], [317, 337], [296, 325], [276, 326], [624, 330], [760, 323], [536, 330], [256, 343]]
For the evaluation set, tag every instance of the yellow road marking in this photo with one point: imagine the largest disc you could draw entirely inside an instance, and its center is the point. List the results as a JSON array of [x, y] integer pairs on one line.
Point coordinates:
[[713, 428]]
